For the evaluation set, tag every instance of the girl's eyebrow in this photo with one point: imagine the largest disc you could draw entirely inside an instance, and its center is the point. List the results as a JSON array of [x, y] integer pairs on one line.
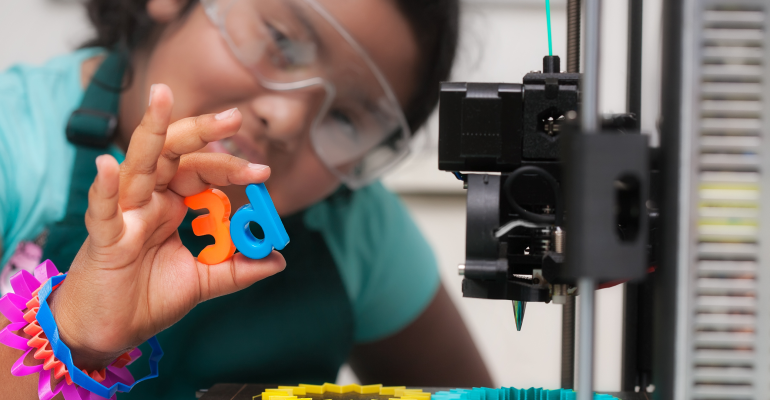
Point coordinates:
[[305, 21]]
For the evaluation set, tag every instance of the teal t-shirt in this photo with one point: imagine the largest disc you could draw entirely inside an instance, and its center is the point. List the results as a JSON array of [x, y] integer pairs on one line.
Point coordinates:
[[386, 265]]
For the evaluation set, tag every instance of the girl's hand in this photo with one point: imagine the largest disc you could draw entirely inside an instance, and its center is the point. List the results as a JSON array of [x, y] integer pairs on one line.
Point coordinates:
[[133, 277]]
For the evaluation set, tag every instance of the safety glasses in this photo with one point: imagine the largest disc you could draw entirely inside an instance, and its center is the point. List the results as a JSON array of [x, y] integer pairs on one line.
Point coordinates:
[[359, 130]]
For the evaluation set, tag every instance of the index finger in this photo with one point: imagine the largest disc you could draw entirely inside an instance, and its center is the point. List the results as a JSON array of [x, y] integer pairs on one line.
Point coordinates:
[[192, 134], [198, 171], [138, 171]]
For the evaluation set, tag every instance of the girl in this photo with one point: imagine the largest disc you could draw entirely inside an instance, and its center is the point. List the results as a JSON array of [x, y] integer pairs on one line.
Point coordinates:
[[319, 95]]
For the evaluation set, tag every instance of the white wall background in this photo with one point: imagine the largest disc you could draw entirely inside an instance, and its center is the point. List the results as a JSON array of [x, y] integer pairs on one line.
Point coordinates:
[[501, 41], [32, 31]]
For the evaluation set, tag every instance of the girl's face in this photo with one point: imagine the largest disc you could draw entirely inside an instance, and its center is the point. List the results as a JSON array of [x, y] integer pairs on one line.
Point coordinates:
[[192, 58]]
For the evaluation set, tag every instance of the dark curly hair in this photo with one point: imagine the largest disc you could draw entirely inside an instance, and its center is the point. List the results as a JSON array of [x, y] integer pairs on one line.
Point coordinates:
[[434, 23]]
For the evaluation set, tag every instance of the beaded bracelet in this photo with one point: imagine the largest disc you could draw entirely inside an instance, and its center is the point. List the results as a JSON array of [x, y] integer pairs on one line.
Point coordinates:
[[38, 321]]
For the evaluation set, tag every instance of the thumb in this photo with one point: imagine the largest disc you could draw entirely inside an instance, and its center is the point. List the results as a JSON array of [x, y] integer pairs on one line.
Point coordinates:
[[236, 274]]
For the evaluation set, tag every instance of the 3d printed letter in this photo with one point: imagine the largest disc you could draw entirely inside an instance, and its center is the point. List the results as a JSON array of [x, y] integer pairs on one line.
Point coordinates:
[[215, 224], [262, 211]]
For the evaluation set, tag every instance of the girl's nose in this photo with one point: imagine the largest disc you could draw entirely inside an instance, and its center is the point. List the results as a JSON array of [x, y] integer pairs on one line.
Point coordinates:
[[286, 116]]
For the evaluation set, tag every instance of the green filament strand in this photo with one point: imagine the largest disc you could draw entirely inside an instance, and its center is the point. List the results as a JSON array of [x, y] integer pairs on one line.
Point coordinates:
[[548, 17]]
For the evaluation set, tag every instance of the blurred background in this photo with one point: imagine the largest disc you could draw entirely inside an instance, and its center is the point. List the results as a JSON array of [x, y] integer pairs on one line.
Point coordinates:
[[501, 40]]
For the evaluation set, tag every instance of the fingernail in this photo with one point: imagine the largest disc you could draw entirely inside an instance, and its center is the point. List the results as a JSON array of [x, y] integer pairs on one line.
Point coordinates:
[[258, 167], [225, 114], [98, 162], [152, 90]]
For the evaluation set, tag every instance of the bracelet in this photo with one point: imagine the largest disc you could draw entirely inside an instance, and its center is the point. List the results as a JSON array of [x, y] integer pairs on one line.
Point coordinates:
[[40, 342], [38, 320]]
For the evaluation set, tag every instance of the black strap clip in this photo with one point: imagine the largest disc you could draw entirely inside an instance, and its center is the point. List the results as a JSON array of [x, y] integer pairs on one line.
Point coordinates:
[[92, 128]]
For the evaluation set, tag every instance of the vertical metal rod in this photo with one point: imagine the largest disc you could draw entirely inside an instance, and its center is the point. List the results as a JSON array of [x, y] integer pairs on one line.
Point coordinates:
[[573, 35], [568, 308], [568, 343], [589, 117], [633, 304], [586, 287], [629, 375], [589, 114], [634, 89]]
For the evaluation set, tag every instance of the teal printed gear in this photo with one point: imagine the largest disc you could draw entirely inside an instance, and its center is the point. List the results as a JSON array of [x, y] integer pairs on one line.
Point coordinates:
[[513, 394]]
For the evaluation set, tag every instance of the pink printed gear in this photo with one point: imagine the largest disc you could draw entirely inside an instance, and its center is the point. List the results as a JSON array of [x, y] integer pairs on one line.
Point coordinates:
[[21, 308]]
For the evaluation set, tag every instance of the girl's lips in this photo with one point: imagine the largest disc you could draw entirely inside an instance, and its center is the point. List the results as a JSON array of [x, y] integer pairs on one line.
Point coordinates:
[[217, 147], [236, 147]]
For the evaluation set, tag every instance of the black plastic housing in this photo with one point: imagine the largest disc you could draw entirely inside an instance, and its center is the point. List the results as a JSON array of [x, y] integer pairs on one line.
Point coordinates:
[[480, 126], [547, 96], [607, 187]]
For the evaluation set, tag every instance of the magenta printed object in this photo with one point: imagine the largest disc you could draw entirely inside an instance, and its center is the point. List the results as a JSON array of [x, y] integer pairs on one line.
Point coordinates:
[[12, 306]]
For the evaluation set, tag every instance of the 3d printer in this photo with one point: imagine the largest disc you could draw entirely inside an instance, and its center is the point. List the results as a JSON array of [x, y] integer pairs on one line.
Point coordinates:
[[561, 200]]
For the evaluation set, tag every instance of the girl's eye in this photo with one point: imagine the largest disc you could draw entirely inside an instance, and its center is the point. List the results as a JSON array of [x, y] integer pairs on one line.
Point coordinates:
[[344, 124], [286, 57]]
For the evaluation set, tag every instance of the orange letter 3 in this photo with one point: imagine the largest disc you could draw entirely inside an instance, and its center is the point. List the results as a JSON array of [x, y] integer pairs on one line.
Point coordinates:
[[216, 224]]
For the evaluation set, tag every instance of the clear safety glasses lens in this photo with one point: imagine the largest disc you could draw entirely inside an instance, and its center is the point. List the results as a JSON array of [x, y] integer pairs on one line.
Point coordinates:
[[359, 130]]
